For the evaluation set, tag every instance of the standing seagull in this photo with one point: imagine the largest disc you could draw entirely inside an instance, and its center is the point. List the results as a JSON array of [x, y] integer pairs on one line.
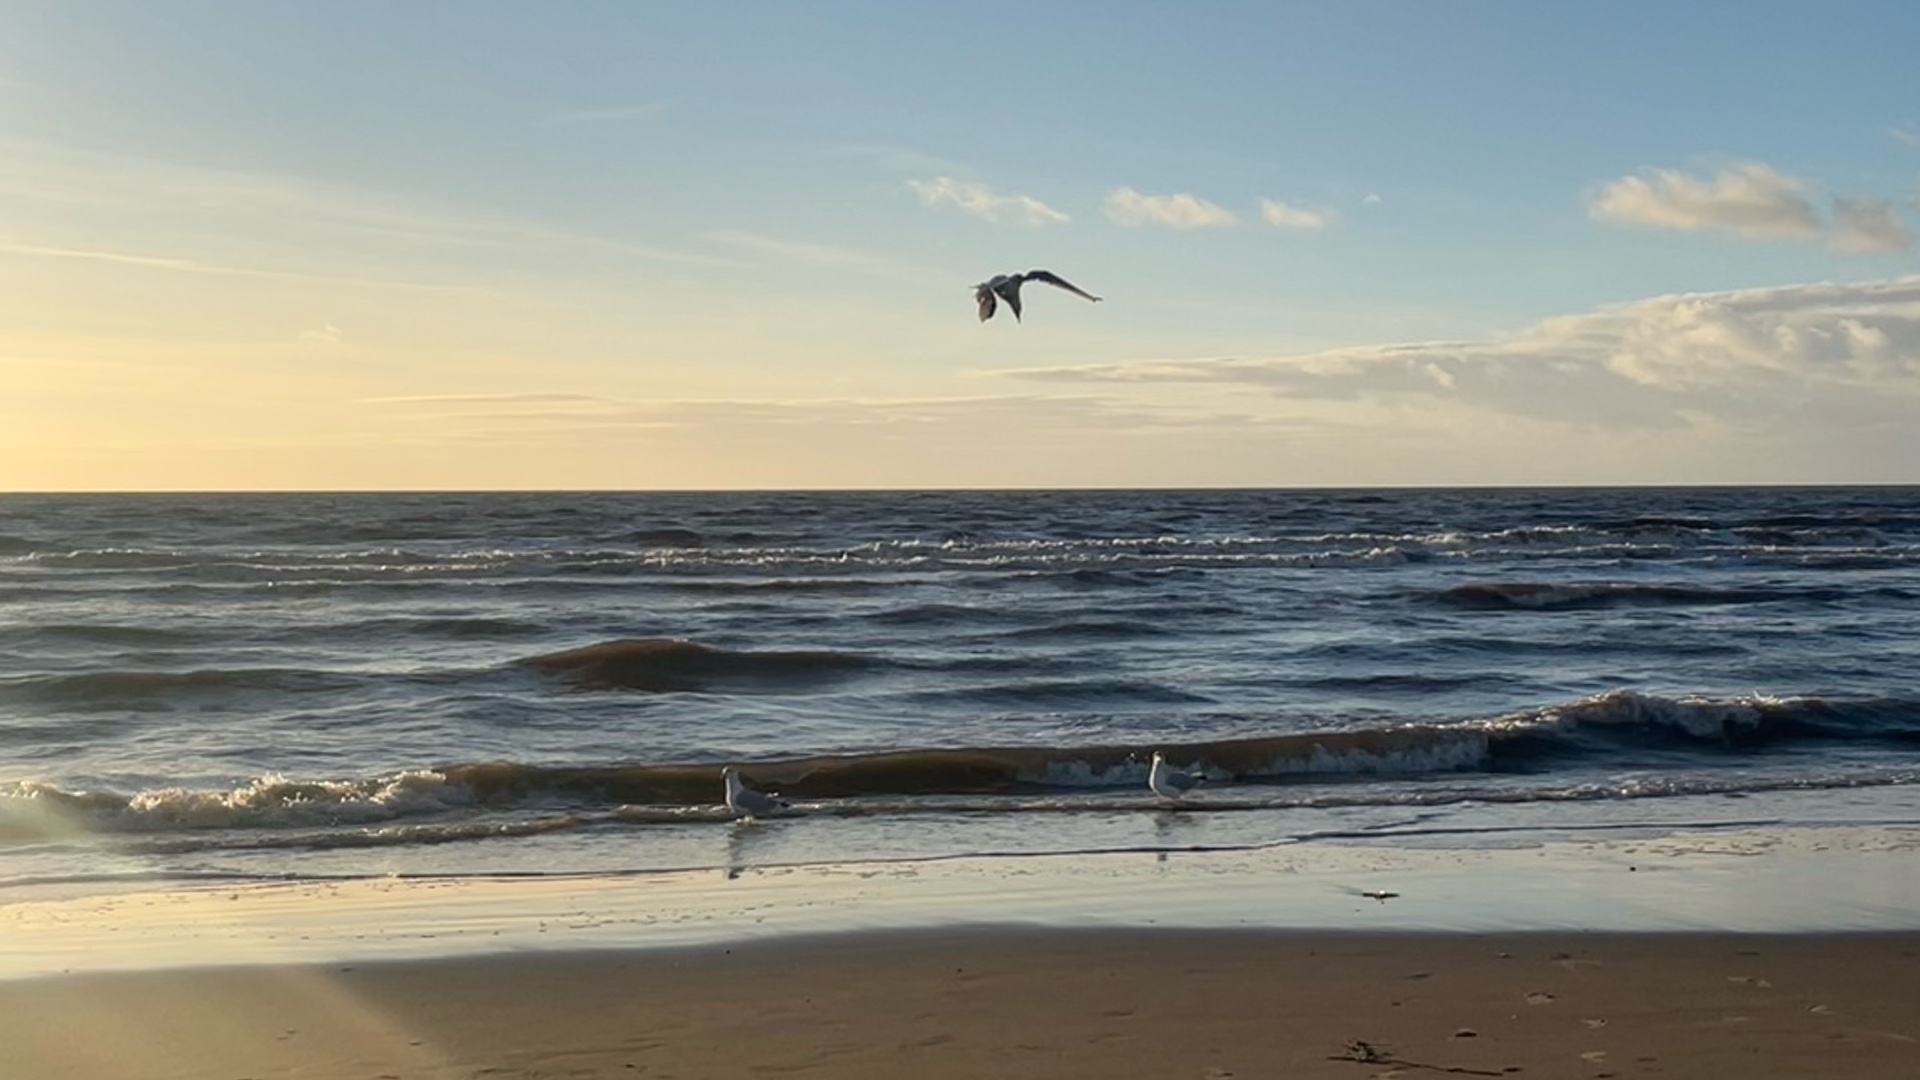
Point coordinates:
[[746, 802], [1007, 287], [1169, 782]]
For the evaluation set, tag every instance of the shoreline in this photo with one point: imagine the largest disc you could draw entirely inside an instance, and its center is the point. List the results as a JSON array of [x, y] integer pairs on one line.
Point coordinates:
[[1764, 879], [1714, 953], [1014, 1002]]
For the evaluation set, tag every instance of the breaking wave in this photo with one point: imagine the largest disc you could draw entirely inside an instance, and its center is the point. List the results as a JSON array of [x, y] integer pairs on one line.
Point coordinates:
[[1546, 740]]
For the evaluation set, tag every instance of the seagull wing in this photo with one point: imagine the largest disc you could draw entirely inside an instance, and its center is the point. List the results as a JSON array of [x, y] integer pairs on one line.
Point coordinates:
[[1009, 291], [1052, 278], [759, 802], [984, 297]]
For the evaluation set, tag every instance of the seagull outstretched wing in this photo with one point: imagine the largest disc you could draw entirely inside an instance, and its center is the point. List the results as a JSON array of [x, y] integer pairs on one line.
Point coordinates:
[[1052, 278]]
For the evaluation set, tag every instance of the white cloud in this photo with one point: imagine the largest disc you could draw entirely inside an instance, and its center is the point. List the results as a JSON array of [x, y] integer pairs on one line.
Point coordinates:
[[1129, 207], [1751, 201], [1801, 355], [1904, 135], [1868, 226], [1282, 216], [984, 203], [1372, 199]]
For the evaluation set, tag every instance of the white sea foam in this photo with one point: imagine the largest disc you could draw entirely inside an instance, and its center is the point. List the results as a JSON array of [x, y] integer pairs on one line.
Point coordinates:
[[42, 810], [279, 800], [1458, 750]]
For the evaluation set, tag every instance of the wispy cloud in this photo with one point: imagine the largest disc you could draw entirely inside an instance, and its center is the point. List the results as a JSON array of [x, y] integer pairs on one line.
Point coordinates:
[[1749, 200], [900, 159], [1794, 355], [607, 114], [487, 401], [176, 264], [984, 203], [806, 251], [1283, 216], [1868, 227], [152, 262], [1125, 206], [495, 416], [1904, 135], [225, 213]]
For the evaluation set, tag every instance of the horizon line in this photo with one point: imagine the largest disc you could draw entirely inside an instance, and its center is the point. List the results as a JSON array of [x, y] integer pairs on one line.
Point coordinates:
[[987, 489]]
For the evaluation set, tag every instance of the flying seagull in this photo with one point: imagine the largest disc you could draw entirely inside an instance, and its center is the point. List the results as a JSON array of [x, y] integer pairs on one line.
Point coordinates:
[[1169, 782], [1007, 287], [746, 802]]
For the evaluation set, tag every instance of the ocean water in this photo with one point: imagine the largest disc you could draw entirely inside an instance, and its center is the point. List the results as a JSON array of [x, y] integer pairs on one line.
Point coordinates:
[[237, 687]]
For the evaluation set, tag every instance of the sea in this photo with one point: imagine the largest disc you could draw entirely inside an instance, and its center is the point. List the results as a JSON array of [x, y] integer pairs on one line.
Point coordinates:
[[311, 687]]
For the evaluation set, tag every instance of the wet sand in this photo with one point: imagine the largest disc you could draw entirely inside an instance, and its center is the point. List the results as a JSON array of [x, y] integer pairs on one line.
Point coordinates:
[[1587, 959], [1013, 1002]]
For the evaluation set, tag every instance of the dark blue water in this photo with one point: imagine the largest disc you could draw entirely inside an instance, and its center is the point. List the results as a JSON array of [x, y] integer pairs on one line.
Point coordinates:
[[481, 683]]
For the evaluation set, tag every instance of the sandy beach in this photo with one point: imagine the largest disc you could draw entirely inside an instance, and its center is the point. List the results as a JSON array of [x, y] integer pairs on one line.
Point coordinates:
[[1743, 953], [1012, 1002]]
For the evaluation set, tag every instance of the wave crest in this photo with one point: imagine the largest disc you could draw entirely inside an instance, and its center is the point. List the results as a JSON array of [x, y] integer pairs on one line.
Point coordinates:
[[661, 665], [1544, 596]]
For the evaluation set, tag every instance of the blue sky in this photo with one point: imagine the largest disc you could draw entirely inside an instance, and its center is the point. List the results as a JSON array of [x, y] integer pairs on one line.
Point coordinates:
[[731, 245]]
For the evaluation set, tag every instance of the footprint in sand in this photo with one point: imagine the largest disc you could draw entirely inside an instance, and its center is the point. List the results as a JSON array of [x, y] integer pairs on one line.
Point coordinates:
[[1595, 1024], [931, 1040], [1751, 980], [1539, 997], [1594, 1057]]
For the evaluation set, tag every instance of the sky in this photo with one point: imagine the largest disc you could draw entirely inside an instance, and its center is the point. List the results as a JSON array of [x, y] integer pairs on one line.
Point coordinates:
[[357, 245]]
